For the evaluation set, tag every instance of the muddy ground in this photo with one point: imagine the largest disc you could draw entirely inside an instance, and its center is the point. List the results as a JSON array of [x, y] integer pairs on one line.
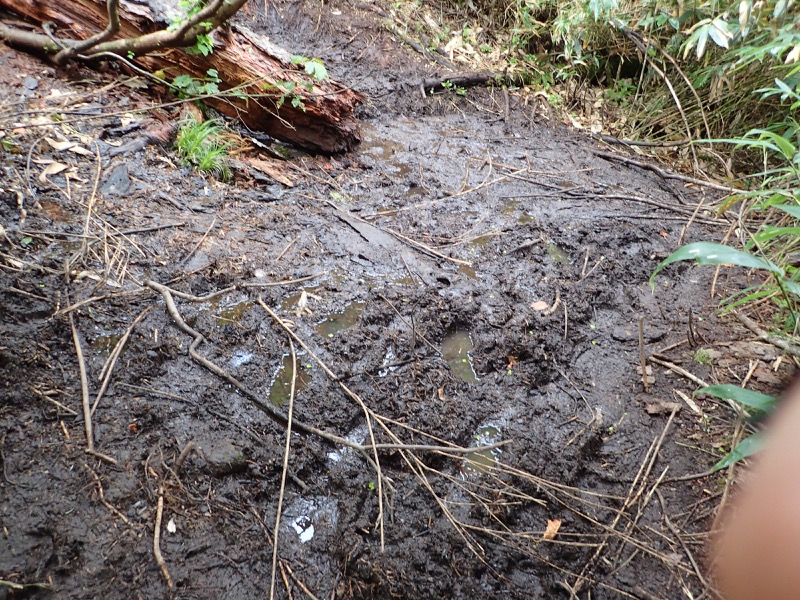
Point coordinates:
[[463, 279]]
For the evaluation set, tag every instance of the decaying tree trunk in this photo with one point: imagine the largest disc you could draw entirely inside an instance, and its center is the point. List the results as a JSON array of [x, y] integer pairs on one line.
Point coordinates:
[[322, 121]]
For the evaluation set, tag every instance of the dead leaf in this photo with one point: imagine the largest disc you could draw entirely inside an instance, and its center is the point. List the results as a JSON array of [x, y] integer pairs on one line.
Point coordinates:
[[689, 402], [52, 169], [512, 362], [81, 150], [551, 531], [539, 305], [60, 146], [440, 393], [270, 168], [661, 407]]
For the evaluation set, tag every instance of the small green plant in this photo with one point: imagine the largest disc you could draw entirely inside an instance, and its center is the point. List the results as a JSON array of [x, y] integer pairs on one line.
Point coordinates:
[[452, 87], [186, 86], [201, 145], [288, 90], [754, 404], [702, 356]]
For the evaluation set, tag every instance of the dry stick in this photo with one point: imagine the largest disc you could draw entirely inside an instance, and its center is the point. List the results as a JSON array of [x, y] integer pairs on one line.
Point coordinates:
[[426, 249], [286, 581], [187, 449], [671, 526], [87, 411], [642, 356], [157, 541], [60, 312], [764, 336], [108, 368], [691, 220], [200, 242], [368, 414], [58, 404], [679, 370], [300, 584], [410, 326], [737, 437], [102, 497], [286, 451], [440, 200], [663, 173], [285, 249], [553, 307], [198, 338]]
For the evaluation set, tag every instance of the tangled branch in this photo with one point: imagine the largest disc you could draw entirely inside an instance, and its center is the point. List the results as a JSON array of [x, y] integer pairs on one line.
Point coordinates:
[[211, 16]]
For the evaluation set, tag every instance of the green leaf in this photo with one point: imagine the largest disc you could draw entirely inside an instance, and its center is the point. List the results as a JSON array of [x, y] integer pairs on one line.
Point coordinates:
[[747, 447], [316, 70], [748, 398], [770, 233], [26, 240], [182, 81], [708, 253]]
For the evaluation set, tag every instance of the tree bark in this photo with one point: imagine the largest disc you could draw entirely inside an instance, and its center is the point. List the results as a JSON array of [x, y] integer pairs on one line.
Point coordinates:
[[323, 121]]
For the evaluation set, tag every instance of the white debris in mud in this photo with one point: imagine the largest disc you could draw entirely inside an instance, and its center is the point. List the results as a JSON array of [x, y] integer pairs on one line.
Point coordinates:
[[307, 515], [241, 357], [357, 436], [387, 360]]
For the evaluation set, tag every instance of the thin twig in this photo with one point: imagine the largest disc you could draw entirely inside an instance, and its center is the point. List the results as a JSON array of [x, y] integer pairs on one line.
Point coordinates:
[[157, 541], [108, 367], [87, 411], [102, 497], [286, 451]]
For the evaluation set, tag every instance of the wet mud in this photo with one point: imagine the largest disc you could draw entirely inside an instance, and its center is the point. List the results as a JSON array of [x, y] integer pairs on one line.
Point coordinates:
[[467, 282]]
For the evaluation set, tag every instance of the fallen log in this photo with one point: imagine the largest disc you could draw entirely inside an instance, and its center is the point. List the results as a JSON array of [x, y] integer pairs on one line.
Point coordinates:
[[273, 94]]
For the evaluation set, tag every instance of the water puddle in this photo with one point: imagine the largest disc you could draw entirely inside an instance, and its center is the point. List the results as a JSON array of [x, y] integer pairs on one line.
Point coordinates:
[[384, 150], [230, 314], [557, 253], [509, 206], [307, 515], [336, 322], [280, 389], [482, 461], [470, 272], [104, 344], [456, 347], [480, 241], [292, 303]]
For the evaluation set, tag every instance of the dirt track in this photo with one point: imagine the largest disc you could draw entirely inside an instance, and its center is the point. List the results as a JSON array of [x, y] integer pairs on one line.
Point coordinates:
[[472, 280]]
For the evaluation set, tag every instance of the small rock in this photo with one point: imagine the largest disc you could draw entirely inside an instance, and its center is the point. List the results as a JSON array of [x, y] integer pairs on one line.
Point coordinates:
[[627, 333], [117, 181], [30, 83], [223, 457]]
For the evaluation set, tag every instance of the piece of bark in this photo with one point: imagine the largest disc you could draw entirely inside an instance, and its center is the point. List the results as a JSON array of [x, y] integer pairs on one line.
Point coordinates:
[[325, 122]]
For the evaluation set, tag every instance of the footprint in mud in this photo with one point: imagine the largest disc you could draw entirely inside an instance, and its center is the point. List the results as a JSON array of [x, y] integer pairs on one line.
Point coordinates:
[[456, 348]]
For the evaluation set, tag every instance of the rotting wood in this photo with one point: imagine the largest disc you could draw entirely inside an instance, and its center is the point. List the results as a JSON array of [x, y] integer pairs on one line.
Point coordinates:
[[243, 59]]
